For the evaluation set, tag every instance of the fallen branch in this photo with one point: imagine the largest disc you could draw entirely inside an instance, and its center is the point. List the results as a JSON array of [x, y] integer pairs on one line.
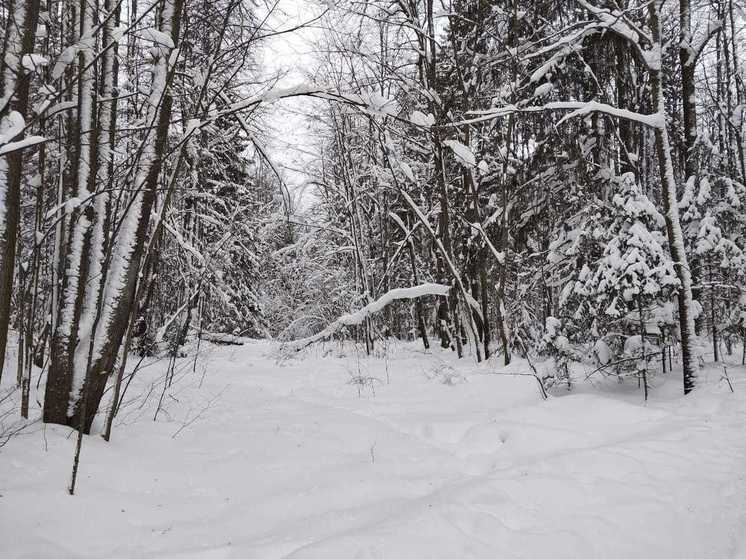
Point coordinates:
[[221, 339], [359, 316]]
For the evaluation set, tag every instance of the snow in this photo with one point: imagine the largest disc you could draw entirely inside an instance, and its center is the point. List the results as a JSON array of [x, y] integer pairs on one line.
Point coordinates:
[[27, 142], [379, 304], [449, 460], [12, 125], [655, 120], [709, 236], [64, 60], [117, 33], [553, 326], [462, 152], [124, 248], [192, 125], [274, 94], [577, 108], [420, 119], [652, 58], [158, 37], [76, 255], [544, 89], [602, 352], [407, 170], [379, 105], [33, 62]]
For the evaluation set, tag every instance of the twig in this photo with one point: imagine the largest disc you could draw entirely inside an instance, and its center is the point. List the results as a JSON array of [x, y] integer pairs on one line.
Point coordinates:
[[544, 395], [725, 372], [619, 362], [202, 411], [8, 434]]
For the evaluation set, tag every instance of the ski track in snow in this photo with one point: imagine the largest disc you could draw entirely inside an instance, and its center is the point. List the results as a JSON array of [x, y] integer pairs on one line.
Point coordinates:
[[286, 460]]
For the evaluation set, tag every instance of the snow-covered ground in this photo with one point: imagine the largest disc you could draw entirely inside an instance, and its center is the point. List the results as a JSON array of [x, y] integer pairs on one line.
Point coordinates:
[[321, 457]]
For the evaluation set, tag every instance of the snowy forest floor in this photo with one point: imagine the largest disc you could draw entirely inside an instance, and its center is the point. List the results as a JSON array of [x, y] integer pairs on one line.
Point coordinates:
[[322, 457]]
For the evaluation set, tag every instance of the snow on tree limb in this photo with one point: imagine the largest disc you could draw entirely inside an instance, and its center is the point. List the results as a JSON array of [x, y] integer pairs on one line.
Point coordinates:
[[462, 152], [695, 50], [26, 142], [578, 108], [420, 119], [124, 255], [156, 36], [499, 256], [12, 127], [359, 316], [618, 22], [220, 338], [654, 120]]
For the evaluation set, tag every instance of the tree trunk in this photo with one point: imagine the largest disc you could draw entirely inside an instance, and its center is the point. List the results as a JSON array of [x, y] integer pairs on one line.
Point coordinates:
[[121, 278], [67, 374], [671, 212], [644, 369], [418, 301], [485, 307], [14, 95]]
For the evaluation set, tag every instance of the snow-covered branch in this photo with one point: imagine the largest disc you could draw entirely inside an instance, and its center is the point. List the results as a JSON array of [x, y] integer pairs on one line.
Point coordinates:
[[577, 108], [379, 304], [695, 50]]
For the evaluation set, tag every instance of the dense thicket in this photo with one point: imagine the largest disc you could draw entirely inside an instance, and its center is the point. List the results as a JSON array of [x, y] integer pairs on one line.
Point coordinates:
[[573, 169], [131, 189]]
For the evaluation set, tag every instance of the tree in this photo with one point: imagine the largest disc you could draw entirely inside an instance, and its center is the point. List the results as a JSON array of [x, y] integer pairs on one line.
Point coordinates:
[[18, 65]]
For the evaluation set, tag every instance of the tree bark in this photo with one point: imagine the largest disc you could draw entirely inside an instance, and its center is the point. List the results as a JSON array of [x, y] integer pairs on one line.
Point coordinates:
[[66, 376], [121, 278], [671, 212], [15, 83]]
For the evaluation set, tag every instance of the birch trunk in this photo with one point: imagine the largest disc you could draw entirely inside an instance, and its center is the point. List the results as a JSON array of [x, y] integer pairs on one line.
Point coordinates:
[[671, 212]]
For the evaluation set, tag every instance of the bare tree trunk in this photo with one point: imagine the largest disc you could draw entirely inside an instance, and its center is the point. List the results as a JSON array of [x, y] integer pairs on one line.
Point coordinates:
[[483, 288], [688, 59], [128, 248], [14, 95], [451, 267], [644, 356], [66, 377], [418, 301], [713, 318], [121, 277]]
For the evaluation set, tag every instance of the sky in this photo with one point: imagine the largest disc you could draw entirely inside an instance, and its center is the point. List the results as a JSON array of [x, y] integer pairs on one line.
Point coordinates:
[[291, 56]]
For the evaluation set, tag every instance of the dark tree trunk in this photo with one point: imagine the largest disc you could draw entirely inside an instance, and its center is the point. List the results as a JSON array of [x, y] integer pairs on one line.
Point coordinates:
[[16, 43]]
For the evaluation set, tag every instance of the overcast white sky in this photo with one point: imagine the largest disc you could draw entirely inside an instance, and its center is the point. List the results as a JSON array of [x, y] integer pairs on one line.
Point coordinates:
[[291, 55]]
